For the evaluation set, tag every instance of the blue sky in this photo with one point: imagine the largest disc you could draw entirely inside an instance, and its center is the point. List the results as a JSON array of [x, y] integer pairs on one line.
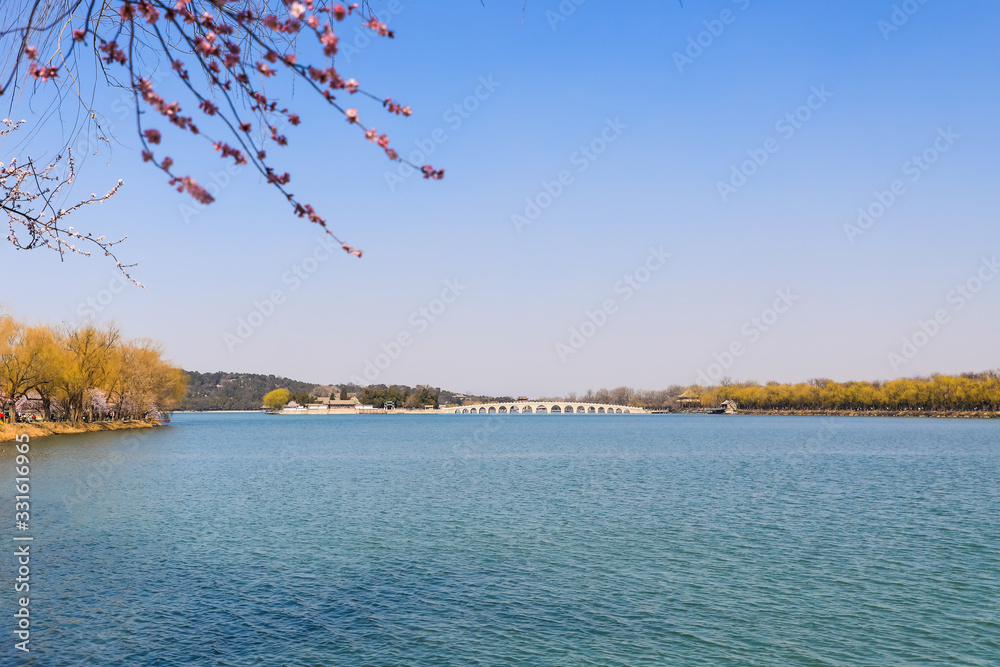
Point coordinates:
[[673, 129]]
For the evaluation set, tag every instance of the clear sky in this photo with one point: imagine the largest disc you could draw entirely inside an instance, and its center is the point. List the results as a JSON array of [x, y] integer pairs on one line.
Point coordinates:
[[739, 138]]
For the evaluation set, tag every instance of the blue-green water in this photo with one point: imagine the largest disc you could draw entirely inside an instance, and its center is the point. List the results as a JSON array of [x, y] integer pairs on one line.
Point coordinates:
[[534, 540]]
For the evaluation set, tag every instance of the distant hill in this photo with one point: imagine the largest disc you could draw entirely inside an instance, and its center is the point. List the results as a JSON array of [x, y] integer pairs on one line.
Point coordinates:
[[244, 391], [234, 391]]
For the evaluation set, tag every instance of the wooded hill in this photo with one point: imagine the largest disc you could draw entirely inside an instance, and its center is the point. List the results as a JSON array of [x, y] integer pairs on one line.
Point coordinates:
[[234, 391], [245, 391]]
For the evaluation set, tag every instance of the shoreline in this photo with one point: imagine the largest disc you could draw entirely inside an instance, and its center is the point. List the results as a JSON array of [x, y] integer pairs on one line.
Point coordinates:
[[8, 432]]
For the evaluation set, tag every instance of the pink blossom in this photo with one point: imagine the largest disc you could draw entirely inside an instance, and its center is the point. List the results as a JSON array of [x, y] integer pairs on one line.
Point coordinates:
[[195, 190], [297, 9], [151, 13], [429, 172], [152, 136], [114, 54], [339, 12], [207, 47], [31, 52], [352, 115], [42, 73], [351, 85], [79, 34], [329, 42], [379, 27]]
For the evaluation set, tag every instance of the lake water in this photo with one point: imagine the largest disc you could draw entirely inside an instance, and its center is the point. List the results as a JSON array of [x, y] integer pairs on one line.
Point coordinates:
[[248, 539]]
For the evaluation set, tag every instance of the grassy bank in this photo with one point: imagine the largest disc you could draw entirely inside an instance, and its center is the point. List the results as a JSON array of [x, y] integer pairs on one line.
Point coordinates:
[[40, 429]]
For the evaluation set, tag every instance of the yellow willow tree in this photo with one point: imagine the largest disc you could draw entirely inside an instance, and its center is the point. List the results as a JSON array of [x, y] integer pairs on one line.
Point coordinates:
[[85, 360], [28, 361], [141, 382]]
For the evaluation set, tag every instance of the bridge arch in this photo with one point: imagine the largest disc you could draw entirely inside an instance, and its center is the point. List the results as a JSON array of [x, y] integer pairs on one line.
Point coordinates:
[[543, 408]]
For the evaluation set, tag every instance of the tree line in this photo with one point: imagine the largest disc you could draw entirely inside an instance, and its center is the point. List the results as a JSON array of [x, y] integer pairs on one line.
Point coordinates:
[[377, 396], [85, 372], [968, 392], [400, 395], [651, 399]]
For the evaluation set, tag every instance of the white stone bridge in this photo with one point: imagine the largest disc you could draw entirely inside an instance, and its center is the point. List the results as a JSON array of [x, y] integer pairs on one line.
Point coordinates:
[[545, 407]]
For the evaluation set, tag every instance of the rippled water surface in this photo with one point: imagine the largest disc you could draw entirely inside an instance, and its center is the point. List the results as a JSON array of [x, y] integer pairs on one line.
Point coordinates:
[[534, 540]]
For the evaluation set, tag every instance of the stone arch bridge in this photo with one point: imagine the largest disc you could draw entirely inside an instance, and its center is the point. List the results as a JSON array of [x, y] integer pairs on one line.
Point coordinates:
[[546, 407]]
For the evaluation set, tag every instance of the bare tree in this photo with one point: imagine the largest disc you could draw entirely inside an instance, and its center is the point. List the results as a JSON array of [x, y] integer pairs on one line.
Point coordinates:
[[222, 55]]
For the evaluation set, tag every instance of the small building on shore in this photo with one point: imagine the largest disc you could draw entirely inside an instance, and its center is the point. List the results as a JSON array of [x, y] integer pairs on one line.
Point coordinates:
[[689, 400], [322, 406]]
